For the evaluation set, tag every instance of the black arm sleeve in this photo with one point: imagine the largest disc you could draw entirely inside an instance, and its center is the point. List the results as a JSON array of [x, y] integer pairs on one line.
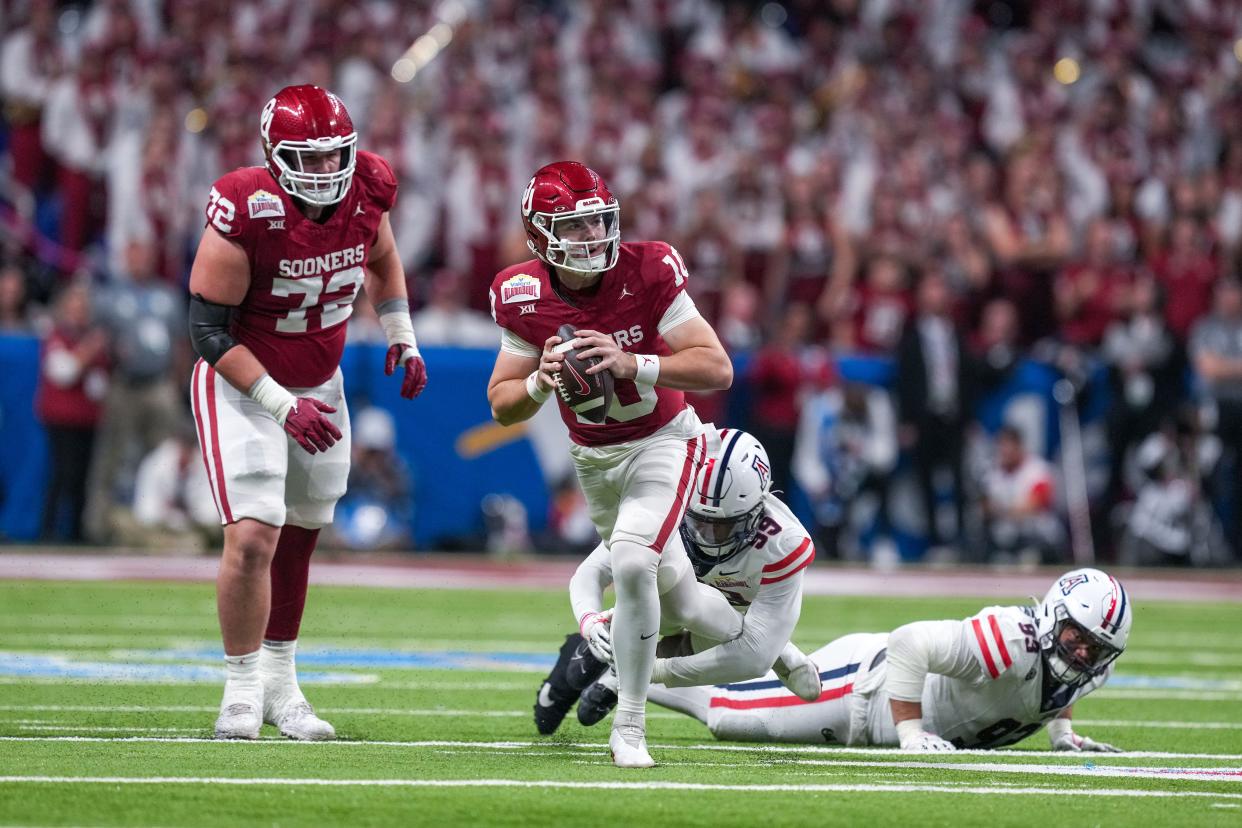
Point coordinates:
[[209, 328]]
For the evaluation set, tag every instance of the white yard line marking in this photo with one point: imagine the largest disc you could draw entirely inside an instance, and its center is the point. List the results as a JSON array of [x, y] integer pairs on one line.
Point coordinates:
[[605, 786], [1176, 695], [437, 711], [1197, 774], [203, 708], [714, 746], [1159, 725], [94, 729]]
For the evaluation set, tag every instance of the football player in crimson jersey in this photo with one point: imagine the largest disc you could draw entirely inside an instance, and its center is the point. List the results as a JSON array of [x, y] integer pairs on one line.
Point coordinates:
[[629, 307], [984, 682], [749, 555], [286, 248]]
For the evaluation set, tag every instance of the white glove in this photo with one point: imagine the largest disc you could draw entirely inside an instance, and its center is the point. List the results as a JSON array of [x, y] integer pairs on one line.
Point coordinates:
[[1072, 741], [914, 738], [1063, 737], [596, 629]]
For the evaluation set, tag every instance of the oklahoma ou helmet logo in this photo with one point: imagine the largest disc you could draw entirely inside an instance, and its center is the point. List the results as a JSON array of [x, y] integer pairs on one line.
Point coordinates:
[[265, 120], [528, 198]]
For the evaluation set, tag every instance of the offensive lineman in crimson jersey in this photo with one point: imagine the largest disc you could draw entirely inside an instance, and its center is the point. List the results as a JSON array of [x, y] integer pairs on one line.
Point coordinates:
[[984, 682], [629, 306], [286, 248]]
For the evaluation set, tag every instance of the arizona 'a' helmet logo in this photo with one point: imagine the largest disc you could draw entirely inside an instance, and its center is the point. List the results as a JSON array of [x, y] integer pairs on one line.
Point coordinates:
[[1067, 584]]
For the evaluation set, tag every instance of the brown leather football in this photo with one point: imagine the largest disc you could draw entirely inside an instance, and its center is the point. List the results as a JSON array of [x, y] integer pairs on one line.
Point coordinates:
[[587, 395]]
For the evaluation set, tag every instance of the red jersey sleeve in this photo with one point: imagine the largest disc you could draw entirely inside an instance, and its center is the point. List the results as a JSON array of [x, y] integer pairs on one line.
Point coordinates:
[[665, 274], [225, 210]]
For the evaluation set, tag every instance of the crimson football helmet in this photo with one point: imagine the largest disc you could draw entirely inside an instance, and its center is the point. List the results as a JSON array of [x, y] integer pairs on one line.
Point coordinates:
[[561, 195], [300, 122]]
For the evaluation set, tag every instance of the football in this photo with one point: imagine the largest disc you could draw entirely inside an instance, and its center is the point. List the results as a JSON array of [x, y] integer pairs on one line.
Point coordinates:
[[587, 395]]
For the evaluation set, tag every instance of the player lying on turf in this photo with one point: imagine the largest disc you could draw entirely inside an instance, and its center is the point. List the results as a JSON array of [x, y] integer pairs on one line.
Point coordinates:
[[985, 682], [748, 552]]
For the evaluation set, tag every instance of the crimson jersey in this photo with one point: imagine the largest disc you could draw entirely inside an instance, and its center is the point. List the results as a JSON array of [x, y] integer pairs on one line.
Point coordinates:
[[303, 275], [646, 287]]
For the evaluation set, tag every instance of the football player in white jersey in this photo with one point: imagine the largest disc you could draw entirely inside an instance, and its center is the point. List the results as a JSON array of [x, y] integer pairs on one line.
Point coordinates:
[[985, 682], [733, 623]]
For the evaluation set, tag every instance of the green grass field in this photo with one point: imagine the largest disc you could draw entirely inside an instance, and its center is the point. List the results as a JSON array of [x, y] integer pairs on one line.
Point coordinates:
[[108, 692]]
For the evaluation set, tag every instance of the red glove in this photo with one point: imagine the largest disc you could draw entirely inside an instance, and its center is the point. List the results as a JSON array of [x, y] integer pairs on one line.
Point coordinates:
[[308, 427], [415, 371]]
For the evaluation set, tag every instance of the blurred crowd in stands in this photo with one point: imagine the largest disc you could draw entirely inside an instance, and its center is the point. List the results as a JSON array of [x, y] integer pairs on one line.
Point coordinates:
[[956, 185]]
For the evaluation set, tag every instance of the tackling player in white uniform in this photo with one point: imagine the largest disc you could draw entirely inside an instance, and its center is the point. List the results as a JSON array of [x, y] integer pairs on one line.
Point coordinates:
[[749, 553], [985, 682]]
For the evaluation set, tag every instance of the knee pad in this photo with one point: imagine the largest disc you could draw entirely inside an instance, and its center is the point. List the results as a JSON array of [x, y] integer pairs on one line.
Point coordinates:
[[633, 564]]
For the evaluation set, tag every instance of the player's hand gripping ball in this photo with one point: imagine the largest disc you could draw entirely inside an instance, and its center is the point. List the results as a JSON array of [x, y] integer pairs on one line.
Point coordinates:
[[587, 395]]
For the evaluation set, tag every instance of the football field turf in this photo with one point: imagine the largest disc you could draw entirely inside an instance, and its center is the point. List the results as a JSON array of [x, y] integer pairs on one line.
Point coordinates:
[[108, 692]]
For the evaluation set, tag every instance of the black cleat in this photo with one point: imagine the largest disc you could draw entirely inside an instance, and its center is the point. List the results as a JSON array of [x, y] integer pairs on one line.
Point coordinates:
[[596, 702], [576, 667]]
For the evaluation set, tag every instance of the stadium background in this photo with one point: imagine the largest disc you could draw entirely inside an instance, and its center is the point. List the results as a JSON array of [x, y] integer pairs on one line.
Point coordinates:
[[1054, 163]]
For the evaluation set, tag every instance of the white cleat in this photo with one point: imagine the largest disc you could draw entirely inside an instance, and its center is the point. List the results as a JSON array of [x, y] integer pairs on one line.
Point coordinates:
[[803, 681], [239, 720], [296, 719], [628, 745]]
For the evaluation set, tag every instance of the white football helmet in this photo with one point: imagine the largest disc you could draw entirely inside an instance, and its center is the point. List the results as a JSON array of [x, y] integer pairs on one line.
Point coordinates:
[[726, 504], [1097, 606]]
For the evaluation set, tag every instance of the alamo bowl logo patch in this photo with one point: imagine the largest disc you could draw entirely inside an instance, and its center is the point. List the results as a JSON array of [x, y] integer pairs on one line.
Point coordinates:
[[519, 288], [263, 204]]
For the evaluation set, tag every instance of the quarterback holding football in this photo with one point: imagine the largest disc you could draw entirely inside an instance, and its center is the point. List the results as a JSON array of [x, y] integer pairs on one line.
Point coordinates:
[[286, 248], [988, 681], [637, 445], [729, 619]]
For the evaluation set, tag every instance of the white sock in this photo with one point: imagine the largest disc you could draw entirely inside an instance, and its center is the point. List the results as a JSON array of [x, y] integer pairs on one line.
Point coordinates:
[[635, 627], [242, 674], [276, 662]]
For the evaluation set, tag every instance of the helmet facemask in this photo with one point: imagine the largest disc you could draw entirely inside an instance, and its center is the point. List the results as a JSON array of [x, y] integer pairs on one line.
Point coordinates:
[[320, 189], [1060, 657], [715, 539], [590, 256]]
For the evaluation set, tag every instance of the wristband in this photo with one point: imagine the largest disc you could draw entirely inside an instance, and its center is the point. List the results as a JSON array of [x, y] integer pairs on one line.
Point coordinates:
[[536, 393], [394, 318], [909, 729], [1058, 728], [273, 397], [582, 622], [648, 369]]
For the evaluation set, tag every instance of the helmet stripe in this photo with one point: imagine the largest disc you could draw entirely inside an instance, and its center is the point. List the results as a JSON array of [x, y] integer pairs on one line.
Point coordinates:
[[1108, 616], [724, 464], [707, 478], [1122, 612]]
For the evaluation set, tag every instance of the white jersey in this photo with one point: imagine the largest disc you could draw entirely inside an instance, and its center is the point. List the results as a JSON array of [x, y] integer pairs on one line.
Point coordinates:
[[764, 582], [781, 550], [997, 695], [1007, 698]]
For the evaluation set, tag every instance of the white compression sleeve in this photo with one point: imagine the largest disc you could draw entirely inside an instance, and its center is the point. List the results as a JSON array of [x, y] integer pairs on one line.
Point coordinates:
[[635, 623], [765, 631], [926, 647], [701, 610], [591, 578]]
